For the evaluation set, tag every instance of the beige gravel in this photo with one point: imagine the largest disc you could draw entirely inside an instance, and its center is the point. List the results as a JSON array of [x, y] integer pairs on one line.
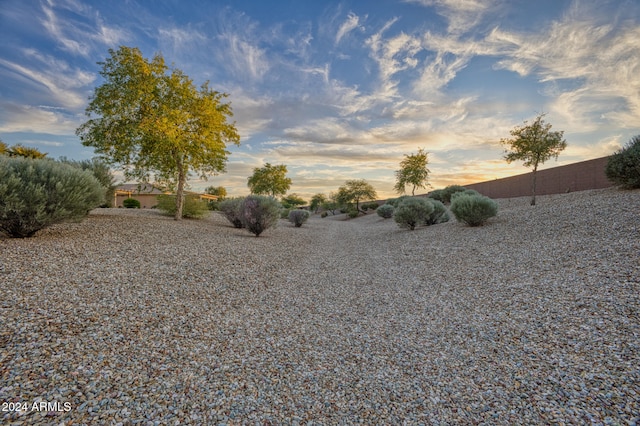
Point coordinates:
[[132, 318]]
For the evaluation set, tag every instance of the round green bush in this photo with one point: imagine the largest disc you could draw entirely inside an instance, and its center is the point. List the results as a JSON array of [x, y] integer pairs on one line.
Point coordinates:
[[192, 207], [353, 213], [298, 217], [131, 203], [324, 214], [385, 211], [474, 210], [623, 167], [37, 193], [449, 191], [413, 211]]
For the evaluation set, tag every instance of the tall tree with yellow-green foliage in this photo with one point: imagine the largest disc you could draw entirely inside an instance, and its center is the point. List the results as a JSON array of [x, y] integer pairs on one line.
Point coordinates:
[[148, 118], [534, 144], [413, 171]]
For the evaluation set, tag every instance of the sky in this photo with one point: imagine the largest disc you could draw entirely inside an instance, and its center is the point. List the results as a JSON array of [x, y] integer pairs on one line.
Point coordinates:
[[340, 90]]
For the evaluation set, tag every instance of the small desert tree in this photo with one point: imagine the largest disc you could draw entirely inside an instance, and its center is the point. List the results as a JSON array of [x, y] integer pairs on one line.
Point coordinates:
[[331, 203], [148, 118], [534, 144], [354, 191], [292, 201], [413, 171], [316, 202], [269, 180]]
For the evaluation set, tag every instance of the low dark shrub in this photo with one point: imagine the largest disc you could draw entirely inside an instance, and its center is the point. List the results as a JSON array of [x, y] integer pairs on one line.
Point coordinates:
[[413, 211], [371, 205], [474, 210], [131, 203], [623, 167], [260, 213], [192, 207], [298, 217], [324, 214], [437, 195], [37, 193], [230, 208], [385, 211], [353, 213]]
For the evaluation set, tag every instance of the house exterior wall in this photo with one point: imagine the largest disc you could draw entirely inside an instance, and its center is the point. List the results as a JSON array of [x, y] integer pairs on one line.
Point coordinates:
[[146, 200], [580, 176]]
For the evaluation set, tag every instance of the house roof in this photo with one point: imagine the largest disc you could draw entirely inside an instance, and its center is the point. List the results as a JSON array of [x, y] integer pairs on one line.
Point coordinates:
[[139, 188]]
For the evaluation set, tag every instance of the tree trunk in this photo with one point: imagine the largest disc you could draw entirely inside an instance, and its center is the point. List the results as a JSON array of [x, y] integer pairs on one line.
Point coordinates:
[[533, 187], [180, 192]]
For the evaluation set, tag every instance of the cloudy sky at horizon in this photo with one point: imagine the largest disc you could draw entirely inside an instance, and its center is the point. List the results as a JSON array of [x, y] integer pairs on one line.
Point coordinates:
[[341, 90]]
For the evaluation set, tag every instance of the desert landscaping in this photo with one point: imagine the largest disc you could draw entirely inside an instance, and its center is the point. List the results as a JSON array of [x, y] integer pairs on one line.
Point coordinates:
[[131, 317]]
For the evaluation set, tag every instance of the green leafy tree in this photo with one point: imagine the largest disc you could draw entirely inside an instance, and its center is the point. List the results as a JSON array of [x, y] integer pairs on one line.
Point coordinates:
[[148, 118], [292, 201], [269, 180], [218, 191], [354, 191], [534, 144], [413, 171], [316, 202]]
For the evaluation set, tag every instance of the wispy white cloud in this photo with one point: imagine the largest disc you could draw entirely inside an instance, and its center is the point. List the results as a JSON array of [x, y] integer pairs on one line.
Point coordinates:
[[24, 118], [462, 15], [65, 85], [76, 37], [351, 23]]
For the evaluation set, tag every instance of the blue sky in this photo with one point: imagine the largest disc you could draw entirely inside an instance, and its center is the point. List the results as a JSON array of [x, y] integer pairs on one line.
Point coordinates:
[[341, 90]]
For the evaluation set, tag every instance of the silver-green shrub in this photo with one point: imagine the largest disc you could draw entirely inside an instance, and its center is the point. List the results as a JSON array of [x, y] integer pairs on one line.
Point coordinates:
[[474, 210], [448, 192], [259, 213], [192, 208], [395, 202], [413, 211], [465, 192], [298, 217], [37, 193], [230, 208], [385, 211], [439, 213], [623, 167]]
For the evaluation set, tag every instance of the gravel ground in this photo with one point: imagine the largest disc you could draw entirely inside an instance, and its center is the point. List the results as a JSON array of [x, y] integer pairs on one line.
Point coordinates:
[[132, 318]]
